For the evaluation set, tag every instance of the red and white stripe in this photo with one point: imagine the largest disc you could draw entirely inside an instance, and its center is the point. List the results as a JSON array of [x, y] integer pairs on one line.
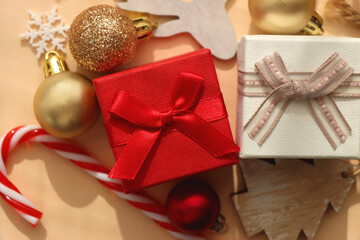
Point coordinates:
[[27, 210]]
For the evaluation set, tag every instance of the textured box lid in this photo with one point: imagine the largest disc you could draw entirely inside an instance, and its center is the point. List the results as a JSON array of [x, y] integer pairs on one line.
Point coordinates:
[[302, 138], [310, 51]]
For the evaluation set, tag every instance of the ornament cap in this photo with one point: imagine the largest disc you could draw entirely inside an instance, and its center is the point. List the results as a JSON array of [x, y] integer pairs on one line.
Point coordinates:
[[220, 226], [314, 26], [144, 27], [53, 64]]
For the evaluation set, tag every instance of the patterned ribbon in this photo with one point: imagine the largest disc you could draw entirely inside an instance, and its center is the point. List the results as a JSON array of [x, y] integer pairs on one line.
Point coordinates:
[[317, 91], [150, 122]]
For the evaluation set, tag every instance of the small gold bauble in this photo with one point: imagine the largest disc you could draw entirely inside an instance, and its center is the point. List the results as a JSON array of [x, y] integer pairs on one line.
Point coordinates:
[[281, 16], [101, 38], [65, 104]]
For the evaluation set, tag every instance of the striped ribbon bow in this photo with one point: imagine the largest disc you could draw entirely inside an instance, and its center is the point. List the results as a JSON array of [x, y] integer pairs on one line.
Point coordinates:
[[317, 91]]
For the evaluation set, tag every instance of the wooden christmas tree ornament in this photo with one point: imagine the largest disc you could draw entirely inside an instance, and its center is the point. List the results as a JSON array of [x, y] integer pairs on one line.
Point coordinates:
[[291, 195], [206, 20]]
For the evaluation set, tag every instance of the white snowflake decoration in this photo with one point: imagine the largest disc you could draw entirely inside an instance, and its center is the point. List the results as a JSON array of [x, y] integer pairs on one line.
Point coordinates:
[[43, 31]]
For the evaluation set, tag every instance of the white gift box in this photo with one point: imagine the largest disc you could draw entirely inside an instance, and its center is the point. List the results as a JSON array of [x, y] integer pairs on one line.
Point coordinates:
[[303, 128]]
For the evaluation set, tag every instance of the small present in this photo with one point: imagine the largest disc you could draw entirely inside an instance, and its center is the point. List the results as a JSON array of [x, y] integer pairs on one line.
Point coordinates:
[[166, 120], [299, 97]]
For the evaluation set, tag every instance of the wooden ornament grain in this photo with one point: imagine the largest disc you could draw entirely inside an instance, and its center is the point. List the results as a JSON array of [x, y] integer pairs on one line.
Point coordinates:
[[290, 196], [206, 20]]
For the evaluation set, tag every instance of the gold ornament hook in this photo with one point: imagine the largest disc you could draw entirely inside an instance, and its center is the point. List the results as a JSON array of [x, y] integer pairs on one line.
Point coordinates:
[[352, 172], [314, 26], [144, 27], [220, 226], [53, 64]]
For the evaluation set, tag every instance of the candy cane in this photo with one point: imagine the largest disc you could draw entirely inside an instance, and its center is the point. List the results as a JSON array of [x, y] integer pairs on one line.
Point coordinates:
[[27, 210]]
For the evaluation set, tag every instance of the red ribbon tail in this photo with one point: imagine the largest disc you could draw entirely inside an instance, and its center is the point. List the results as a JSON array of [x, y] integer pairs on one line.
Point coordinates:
[[204, 134], [132, 158]]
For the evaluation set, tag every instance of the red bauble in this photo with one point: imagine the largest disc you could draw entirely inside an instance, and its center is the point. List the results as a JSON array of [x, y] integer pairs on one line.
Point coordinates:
[[193, 206]]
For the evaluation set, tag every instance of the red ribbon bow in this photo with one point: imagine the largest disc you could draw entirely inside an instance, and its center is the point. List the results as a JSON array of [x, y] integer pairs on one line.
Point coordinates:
[[150, 122]]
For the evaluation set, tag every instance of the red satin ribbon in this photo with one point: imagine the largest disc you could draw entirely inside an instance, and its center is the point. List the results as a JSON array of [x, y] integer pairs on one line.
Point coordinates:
[[150, 122]]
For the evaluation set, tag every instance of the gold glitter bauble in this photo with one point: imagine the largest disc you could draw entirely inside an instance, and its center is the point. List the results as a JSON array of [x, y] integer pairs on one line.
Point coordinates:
[[101, 38]]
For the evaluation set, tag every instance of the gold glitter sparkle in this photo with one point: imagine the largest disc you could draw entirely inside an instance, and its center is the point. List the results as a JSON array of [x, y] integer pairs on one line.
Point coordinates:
[[101, 38]]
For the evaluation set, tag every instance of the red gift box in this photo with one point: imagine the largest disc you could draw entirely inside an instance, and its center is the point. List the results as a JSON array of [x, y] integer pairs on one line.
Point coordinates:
[[166, 120]]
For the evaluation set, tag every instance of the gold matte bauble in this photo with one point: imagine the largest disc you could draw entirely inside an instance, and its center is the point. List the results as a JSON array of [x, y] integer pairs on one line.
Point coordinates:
[[65, 103], [101, 38], [281, 16]]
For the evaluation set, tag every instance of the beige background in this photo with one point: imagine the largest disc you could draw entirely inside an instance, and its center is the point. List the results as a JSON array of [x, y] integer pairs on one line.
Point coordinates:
[[75, 206]]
